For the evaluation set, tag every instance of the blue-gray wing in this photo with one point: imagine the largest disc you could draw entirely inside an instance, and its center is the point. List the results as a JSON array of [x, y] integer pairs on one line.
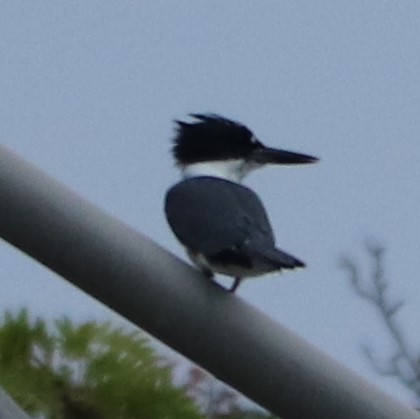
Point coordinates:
[[209, 215]]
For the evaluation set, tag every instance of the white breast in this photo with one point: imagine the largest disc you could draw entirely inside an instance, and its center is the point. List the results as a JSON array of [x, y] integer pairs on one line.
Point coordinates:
[[234, 170]]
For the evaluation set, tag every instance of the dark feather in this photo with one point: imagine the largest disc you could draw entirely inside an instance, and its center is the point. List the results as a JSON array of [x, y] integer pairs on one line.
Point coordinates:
[[209, 215]]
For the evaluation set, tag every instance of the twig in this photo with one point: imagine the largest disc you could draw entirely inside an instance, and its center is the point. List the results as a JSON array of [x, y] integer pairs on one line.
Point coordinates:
[[402, 364]]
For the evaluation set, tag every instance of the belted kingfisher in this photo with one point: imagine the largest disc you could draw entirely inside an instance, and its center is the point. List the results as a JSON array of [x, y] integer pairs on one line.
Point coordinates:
[[223, 224]]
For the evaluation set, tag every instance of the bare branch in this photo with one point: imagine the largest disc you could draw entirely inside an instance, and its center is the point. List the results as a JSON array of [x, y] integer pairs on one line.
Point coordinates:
[[402, 364], [395, 308], [355, 279]]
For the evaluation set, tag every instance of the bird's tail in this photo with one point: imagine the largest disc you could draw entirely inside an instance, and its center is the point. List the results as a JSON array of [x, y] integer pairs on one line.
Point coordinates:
[[278, 258], [288, 261]]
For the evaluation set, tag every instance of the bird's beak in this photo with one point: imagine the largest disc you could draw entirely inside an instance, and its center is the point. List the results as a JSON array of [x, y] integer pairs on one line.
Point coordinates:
[[266, 155]]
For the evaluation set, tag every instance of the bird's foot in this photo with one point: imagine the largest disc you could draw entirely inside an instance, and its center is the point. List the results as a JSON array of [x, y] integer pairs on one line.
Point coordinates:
[[207, 273], [235, 285]]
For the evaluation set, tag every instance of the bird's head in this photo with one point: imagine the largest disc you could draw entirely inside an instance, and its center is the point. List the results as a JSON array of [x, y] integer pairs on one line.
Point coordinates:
[[215, 146]]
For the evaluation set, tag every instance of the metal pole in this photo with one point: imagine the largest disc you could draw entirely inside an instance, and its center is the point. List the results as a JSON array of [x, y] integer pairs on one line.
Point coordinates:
[[176, 304], [9, 409]]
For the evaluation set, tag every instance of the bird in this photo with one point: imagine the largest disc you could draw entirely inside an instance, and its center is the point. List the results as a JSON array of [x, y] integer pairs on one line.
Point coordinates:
[[223, 224]]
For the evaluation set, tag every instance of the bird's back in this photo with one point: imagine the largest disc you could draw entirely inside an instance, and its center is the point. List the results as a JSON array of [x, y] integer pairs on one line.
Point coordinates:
[[209, 214]]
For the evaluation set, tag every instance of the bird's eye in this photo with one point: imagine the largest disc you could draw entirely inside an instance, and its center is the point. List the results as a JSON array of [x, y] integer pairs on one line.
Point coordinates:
[[256, 142]]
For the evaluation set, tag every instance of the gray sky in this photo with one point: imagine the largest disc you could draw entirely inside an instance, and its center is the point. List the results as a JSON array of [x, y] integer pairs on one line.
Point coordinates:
[[89, 91]]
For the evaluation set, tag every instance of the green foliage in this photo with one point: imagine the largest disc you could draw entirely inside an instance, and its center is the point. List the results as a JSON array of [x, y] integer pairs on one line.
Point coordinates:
[[86, 371], [96, 371]]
